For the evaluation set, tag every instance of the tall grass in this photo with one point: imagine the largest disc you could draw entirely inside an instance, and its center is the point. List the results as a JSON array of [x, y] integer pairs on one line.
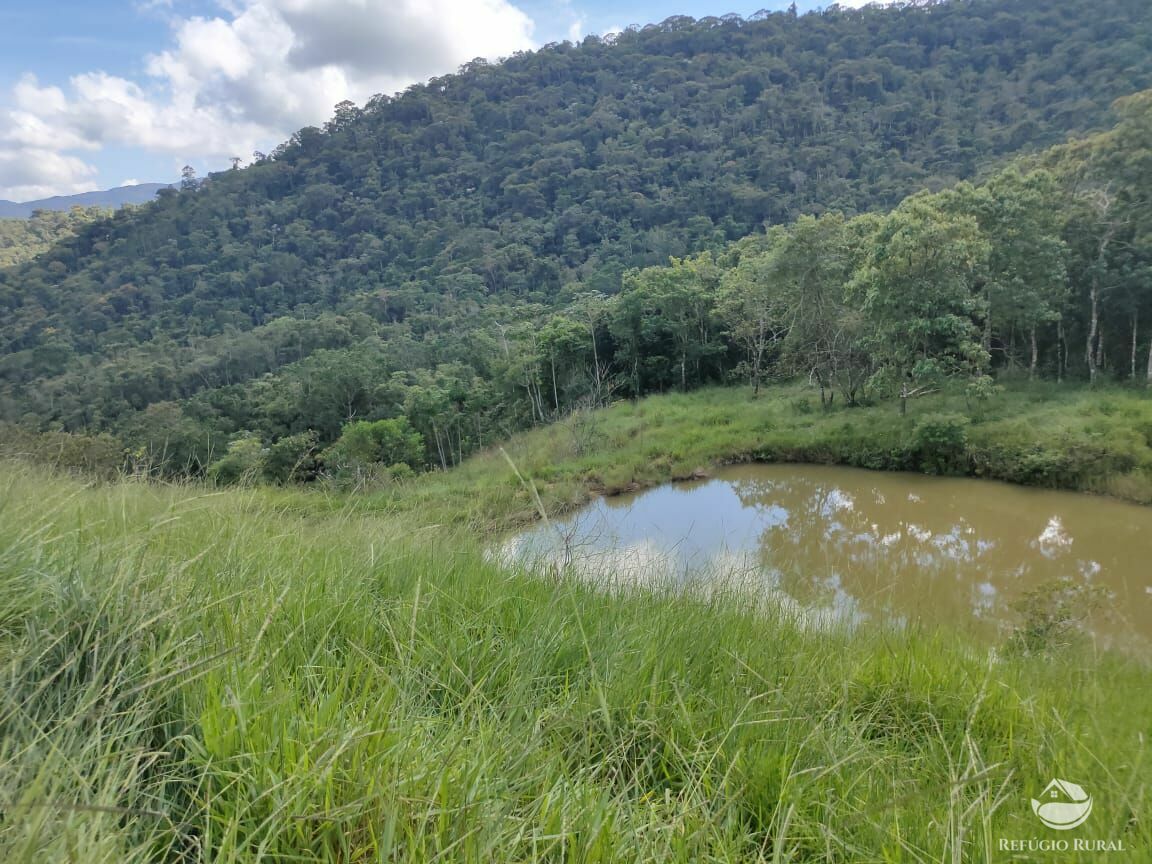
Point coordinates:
[[236, 677]]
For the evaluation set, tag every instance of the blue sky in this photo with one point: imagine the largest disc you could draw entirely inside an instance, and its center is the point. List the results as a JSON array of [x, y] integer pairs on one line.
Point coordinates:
[[94, 93]]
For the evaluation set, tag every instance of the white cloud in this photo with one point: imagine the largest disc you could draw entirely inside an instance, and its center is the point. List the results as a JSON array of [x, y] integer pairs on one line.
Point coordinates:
[[245, 79], [403, 39], [31, 173]]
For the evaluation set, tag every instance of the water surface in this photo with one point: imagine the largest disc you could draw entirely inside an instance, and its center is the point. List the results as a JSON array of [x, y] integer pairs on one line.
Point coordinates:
[[857, 546]]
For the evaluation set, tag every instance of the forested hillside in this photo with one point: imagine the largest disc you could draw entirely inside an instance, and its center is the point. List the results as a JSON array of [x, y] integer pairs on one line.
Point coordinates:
[[23, 239], [451, 260]]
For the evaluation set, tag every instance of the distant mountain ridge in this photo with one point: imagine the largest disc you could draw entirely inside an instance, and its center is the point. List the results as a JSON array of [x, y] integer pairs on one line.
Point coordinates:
[[141, 193]]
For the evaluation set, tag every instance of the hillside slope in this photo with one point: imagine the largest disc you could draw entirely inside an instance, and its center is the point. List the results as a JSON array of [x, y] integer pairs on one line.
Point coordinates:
[[23, 239], [410, 236]]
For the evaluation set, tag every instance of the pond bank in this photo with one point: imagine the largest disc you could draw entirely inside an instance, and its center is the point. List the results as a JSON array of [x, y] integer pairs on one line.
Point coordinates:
[[1044, 435]]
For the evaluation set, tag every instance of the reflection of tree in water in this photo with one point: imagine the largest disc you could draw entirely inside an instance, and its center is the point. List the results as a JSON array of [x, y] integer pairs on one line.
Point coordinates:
[[888, 547], [851, 545], [814, 538]]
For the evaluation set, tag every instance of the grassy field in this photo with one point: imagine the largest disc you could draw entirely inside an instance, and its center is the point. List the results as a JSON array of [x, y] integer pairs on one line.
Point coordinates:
[[272, 675], [1037, 434]]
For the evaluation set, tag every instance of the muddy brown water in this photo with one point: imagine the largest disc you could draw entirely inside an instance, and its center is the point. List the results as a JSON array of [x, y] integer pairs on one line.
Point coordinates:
[[856, 546]]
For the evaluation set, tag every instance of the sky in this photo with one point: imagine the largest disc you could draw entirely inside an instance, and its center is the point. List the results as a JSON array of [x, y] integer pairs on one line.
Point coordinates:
[[102, 93]]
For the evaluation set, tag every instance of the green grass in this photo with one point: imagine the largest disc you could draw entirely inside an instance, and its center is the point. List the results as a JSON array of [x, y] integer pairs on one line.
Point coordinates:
[[271, 675], [1039, 434]]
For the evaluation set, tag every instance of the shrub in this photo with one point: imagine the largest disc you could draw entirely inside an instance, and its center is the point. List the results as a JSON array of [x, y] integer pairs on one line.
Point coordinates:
[[365, 444], [401, 471], [101, 455], [980, 391], [940, 443], [292, 459], [242, 463], [801, 405]]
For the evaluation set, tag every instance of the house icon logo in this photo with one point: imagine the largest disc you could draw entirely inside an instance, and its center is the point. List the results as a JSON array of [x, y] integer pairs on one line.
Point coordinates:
[[1062, 805]]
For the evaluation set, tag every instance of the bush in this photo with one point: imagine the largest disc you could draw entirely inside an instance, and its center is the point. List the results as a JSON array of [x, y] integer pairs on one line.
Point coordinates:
[[241, 464], [292, 459], [401, 471], [940, 443], [801, 405], [365, 444], [100, 455]]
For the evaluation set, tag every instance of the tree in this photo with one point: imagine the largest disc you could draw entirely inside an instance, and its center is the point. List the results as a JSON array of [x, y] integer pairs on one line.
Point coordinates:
[[324, 391], [1128, 159], [188, 179], [593, 309], [679, 301], [1094, 225], [1026, 279], [811, 266], [243, 462], [292, 459], [382, 443], [163, 439], [754, 310], [917, 283], [463, 224], [572, 365]]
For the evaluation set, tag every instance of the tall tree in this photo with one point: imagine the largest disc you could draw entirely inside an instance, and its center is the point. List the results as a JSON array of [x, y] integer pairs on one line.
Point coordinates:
[[1026, 279], [680, 301], [917, 283]]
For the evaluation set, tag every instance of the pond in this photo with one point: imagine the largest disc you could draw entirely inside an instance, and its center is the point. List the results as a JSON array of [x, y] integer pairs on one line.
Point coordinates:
[[854, 546]]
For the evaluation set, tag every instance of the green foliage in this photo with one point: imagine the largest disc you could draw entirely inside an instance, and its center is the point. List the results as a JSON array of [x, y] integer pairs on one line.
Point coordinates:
[[292, 459], [242, 463], [21, 240], [101, 456], [401, 471], [788, 297], [918, 283], [440, 253], [666, 327], [940, 442], [164, 439], [801, 405], [1025, 284], [364, 444], [1051, 616], [983, 388], [272, 672], [1039, 434]]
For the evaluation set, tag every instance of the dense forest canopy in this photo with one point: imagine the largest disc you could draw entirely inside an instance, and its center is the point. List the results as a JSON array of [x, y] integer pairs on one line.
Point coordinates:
[[23, 239], [489, 249]]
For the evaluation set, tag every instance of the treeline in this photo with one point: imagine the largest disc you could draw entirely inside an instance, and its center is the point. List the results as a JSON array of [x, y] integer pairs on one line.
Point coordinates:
[[1044, 270], [416, 239]]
